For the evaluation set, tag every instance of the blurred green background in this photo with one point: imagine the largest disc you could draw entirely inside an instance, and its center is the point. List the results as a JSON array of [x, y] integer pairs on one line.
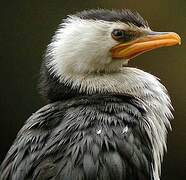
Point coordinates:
[[26, 29]]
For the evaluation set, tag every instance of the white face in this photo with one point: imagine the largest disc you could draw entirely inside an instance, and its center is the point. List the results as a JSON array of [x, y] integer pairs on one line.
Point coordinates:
[[83, 46]]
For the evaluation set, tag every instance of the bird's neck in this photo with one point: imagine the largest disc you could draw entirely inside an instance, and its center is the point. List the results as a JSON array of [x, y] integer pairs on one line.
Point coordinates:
[[125, 81]]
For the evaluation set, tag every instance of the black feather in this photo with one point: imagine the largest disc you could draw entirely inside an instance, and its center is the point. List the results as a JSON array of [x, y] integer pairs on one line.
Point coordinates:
[[89, 167], [114, 164], [61, 141], [124, 15]]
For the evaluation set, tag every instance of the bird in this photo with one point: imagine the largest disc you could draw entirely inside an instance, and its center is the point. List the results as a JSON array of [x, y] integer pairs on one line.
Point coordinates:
[[103, 120]]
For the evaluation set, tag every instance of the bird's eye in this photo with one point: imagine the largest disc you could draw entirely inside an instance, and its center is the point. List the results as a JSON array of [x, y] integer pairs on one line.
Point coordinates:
[[121, 35], [117, 33]]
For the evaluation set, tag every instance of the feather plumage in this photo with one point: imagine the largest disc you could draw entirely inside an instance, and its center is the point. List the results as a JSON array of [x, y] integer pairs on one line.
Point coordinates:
[[72, 145]]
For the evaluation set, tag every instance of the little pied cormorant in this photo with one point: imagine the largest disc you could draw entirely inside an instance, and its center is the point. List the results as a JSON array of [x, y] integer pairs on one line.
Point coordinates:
[[104, 120]]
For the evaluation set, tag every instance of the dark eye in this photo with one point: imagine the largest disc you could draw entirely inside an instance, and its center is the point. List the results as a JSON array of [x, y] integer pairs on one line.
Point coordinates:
[[121, 35], [117, 33]]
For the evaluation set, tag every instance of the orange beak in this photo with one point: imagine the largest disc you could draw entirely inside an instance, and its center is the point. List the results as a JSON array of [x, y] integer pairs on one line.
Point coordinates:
[[149, 42]]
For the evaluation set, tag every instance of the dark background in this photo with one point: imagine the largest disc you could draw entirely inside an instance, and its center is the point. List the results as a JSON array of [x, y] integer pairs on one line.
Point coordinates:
[[26, 29]]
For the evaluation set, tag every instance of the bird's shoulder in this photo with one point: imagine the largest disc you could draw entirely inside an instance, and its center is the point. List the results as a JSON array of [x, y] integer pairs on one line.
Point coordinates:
[[29, 141]]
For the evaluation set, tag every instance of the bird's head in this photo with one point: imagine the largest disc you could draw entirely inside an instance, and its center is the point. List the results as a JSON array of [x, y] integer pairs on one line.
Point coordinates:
[[90, 52], [102, 41]]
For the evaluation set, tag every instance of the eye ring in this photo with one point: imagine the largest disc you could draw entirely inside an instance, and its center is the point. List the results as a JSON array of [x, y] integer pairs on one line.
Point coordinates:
[[122, 35]]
